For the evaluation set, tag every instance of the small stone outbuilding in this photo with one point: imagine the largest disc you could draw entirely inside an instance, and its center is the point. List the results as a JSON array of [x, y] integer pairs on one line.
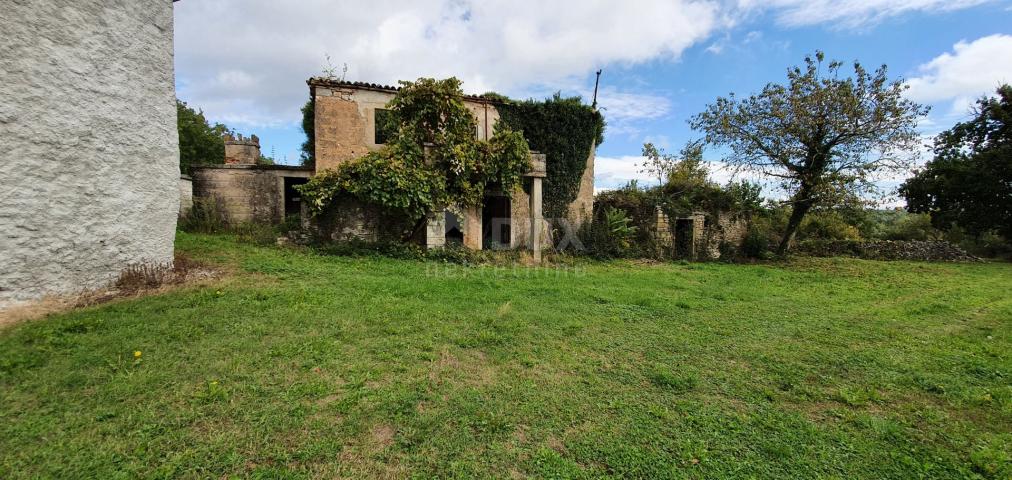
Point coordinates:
[[698, 235], [244, 190]]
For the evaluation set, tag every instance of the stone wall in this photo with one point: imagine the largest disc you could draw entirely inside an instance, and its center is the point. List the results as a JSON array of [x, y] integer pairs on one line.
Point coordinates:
[[938, 251], [246, 193], [185, 194], [345, 120], [242, 150], [708, 236], [582, 207], [348, 219], [723, 230], [90, 150]]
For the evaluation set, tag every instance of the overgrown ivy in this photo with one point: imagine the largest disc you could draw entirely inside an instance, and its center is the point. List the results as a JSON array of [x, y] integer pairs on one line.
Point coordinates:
[[432, 160], [563, 128]]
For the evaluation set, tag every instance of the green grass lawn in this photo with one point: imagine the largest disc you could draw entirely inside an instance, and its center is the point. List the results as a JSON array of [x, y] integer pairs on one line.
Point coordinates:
[[305, 366]]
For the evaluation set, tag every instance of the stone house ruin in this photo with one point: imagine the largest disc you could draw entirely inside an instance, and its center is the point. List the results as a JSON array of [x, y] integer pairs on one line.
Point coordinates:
[[91, 154], [243, 190], [348, 124], [698, 235]]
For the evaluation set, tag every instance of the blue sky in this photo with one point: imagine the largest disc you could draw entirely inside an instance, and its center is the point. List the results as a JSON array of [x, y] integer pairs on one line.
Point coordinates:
[[245, 63]]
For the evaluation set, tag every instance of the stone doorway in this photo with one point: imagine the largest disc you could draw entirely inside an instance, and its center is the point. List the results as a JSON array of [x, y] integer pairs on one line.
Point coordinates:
[[684, 235], [495, 220], [293, 198]]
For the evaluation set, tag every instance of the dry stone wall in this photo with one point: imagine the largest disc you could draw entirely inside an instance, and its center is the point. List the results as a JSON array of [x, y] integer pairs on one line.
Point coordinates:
[[938, 251]]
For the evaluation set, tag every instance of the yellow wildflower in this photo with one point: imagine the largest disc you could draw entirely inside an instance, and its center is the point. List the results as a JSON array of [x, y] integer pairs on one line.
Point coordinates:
[[137, 354]]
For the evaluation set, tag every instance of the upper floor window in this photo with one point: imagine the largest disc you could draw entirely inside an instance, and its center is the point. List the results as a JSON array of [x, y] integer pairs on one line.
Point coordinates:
[[383, 130]]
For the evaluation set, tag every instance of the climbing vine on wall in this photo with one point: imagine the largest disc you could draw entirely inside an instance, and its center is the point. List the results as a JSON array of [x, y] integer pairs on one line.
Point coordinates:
[[432, 160], [563, 128]]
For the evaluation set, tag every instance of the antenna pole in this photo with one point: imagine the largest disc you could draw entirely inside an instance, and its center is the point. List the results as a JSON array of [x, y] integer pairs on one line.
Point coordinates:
[[596, 83]]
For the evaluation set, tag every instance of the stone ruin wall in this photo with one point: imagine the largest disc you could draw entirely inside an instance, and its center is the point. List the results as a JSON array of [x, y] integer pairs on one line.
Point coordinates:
[[240, 150], [709, 232], [185, 195], [245, 193], [725, 228]]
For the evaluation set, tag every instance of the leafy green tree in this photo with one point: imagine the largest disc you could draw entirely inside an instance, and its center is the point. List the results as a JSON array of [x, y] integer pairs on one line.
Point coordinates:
[[969, 181], [821, 135], [199, 141], [687, 167], [308, 157]]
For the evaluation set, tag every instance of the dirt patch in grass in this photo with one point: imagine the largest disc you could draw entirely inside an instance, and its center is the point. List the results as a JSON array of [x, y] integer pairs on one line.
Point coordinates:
[[555, 444], [134, 282], [382, 436], [368, 456], [470, 368]]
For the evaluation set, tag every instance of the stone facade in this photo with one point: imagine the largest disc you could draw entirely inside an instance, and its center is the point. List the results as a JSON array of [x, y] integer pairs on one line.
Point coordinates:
[[345, 118], [91, 158], [345, 122], [250, 193], [581, 208]]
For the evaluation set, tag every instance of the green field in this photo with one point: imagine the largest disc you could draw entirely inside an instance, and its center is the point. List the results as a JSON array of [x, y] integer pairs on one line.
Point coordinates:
[[307, 366]]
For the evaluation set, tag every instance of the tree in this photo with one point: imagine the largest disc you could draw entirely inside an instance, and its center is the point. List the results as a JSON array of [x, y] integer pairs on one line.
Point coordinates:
[[968, 183], [308, 157], [821, 135], [687, 166], [199, 141]]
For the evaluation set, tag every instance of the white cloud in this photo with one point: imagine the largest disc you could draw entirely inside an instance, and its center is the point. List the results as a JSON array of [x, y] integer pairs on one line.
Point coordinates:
[[614, 172], [753, 36], [621, 106], [850, 13], [247, 61], [972, 69]]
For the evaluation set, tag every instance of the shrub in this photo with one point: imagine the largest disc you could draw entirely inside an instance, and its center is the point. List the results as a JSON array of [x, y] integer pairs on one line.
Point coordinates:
[[988, 244], [913, 226], [756, 243], [361, 248], [640, 207], [206, 216], [620, 227], [609, 234], [827, 225]]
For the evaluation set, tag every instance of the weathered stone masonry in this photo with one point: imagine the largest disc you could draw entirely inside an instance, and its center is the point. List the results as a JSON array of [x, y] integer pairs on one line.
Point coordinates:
[[249, 193], [243, 191], [345, 123], [88, 136]]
